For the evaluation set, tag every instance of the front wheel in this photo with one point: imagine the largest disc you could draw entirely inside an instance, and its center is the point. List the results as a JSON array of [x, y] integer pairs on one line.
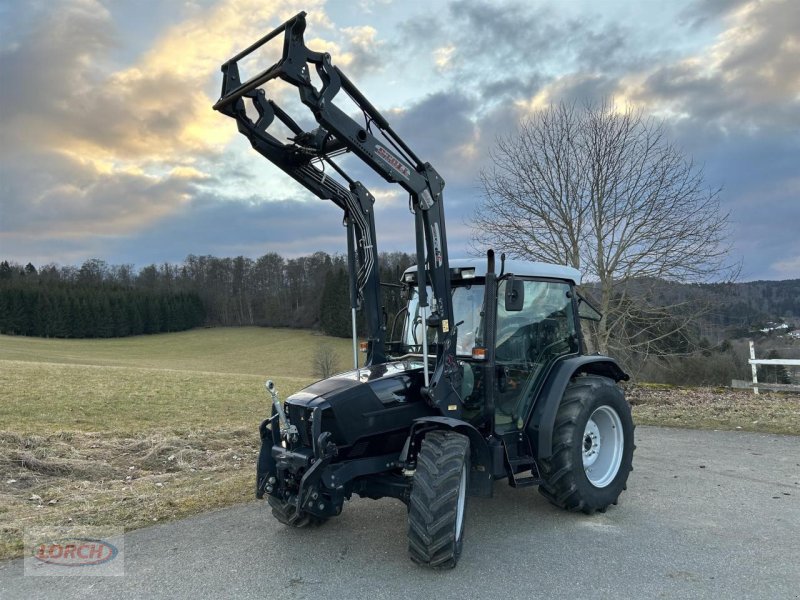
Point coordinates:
[[592, 447], [438, 500]]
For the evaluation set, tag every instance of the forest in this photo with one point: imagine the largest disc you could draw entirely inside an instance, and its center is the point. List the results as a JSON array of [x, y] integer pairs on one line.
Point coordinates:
[[97, 299], [102, 300]]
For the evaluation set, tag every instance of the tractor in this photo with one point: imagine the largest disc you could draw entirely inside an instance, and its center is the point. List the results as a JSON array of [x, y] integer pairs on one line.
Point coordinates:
[[487, 377]]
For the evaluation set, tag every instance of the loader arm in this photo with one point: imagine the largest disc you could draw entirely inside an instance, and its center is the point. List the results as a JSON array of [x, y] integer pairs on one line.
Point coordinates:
[[377, 145]]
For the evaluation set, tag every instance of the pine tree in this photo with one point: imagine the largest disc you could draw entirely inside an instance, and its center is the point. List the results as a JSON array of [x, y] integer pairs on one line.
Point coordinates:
[[119, 316], [105, 318], [60, 315], [3, 311], [152, 316], [134, 316], [6, 272], [25, 307], [41, 324], [334, 316], [773, 373]]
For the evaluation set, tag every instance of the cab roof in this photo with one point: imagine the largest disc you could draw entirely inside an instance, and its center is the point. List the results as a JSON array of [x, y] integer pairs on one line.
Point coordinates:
[[522, 268]]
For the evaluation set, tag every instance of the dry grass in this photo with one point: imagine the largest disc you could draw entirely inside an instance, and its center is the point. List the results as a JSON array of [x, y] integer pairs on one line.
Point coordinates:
[[128, 432], [103, 479], [715, 408]]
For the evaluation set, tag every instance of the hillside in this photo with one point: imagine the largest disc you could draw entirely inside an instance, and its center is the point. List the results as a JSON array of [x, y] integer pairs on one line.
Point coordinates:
[[737, 310], [305, 292], [246, 350], [127, 432]]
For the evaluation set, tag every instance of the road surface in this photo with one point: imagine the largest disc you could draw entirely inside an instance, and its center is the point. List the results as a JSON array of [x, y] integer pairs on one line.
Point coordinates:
[[707, 514]]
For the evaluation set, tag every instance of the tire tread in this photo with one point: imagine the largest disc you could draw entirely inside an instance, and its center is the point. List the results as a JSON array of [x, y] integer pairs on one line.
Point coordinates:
[[433, 505], [560, 471]]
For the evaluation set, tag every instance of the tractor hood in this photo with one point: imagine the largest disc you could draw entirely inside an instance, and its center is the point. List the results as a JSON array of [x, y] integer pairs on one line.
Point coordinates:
[[383, 385], [373, 400]]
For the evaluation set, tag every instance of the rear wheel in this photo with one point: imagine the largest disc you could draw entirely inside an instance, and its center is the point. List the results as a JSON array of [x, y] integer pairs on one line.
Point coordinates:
[[286, 512], [438, 500], [592, 447]]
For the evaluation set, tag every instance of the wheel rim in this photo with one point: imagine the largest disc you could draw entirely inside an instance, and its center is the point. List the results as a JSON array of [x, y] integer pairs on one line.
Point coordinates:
[[462, 501], [602, 446]]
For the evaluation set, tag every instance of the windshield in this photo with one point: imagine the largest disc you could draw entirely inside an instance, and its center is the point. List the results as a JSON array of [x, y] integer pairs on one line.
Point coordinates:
[[467, 305]]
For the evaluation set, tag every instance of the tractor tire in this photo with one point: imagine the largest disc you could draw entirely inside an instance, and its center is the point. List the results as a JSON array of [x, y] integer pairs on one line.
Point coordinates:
[[592, 447], [285, 512], [437, 505]]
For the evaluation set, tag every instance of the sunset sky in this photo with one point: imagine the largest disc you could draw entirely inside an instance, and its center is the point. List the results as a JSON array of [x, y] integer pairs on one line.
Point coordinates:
[[109, 147]]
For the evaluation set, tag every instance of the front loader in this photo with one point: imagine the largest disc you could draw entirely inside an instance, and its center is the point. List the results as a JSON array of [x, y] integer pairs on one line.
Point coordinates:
[[488, 377]]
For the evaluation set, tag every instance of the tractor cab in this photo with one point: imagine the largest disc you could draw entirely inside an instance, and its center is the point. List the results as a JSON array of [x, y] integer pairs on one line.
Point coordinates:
[[535, 322]]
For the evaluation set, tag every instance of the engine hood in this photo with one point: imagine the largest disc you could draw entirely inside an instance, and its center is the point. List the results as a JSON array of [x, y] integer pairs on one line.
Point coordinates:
[[372, 401], [384, 384]]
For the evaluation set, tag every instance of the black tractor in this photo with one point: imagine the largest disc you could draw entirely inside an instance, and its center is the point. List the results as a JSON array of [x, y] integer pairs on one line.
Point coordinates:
[[488, 376]]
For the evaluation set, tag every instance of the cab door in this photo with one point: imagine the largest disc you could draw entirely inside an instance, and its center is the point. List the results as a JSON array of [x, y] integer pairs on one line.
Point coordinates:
[[528, 341]]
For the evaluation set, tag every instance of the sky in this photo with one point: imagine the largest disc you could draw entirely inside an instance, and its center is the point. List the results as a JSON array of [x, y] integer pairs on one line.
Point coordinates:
[[109, 147]]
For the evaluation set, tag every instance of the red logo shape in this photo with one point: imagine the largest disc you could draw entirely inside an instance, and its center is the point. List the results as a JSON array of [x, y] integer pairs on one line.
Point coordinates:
[[75, 552]]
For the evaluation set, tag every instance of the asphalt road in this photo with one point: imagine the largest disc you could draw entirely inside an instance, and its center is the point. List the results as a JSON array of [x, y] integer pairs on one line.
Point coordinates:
[[707, 514]]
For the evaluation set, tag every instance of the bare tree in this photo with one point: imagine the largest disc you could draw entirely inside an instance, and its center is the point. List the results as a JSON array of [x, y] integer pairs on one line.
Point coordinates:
[[325, 361], [606, 192]]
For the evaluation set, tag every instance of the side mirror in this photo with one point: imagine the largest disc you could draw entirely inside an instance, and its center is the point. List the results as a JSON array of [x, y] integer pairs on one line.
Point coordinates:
[[515, 294]]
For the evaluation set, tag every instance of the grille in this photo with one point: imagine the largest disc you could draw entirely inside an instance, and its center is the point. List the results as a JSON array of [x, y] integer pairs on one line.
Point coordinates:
[[299, 416]]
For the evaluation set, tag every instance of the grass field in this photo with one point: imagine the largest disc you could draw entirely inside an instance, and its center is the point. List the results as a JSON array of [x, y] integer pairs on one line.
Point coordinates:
[[136, 430], [199, 378], [715, 408], [244, 350], [130, 431]]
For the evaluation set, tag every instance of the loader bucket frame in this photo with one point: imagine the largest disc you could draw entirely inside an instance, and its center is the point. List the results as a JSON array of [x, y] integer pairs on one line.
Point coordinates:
[[376, 144]]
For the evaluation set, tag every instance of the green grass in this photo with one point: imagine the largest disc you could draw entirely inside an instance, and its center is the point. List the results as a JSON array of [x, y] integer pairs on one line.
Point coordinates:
[[246, 350], [136, 430], [199, 378], [47, 397]]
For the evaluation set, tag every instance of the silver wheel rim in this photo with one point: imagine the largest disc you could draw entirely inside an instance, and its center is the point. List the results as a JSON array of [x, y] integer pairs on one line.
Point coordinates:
[[462, 501], [602, 445]]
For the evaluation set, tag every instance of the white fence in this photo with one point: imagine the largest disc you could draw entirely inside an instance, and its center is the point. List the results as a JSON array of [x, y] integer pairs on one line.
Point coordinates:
[[754, 362]]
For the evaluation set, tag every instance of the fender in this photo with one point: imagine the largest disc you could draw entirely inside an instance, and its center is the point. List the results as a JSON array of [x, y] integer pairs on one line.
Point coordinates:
[[480, 477], [543, 417]]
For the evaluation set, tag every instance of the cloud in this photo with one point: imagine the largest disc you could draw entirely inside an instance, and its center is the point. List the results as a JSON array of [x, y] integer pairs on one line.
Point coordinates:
[[575, 88], [733, 104], [90, 148], [370, 6], [788, 268], [701, 12], [154, 110], [291, 228], [508, 50], [116, 154], [439, 129], [364, 50], [84, 201], [748, 78]]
